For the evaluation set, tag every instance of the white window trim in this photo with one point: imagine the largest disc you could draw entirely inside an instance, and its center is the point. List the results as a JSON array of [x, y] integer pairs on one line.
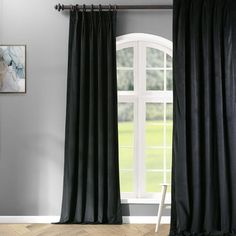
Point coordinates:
[[151, 38], [155, 200], [135, 40]]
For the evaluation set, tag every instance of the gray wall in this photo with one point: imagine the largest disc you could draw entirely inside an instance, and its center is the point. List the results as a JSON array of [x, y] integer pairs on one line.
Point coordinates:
[[32, 125]]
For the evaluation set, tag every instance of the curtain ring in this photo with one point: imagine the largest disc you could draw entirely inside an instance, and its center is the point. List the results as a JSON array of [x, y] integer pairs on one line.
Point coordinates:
[[115, 8], [110, 7], [100, 7], [92, 8], [76, 7], [84, 7]]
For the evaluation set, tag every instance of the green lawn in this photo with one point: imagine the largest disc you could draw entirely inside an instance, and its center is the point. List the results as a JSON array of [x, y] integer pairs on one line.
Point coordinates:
[[154, 155]]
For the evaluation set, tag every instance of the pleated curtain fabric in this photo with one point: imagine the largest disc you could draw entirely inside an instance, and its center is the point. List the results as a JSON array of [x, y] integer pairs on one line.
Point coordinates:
[[91, 192], [204, 136]]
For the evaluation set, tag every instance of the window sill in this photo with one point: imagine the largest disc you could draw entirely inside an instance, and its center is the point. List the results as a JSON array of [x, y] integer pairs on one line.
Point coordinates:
[[144, 200]]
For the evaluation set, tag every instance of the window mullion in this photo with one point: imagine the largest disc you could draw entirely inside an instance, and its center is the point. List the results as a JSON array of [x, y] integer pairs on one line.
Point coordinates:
[[164, 151], [142, 117], [136, 119]]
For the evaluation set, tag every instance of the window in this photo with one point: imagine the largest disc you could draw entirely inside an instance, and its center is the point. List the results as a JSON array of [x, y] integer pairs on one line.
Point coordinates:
[[144, 81]]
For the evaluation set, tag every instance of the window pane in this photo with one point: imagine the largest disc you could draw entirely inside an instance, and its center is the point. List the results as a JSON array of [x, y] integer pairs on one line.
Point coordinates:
[[169, 80], [154, 159], [168, 61], [169, 112], [126, 181], [154, 181], [155, 58], [126, 158], [125, 81], [155, 153], [126, 138], [169, 135], [126, 125], [126, 133], [155, 80], [125, 57], [154, 124], [155, 112], [154, 135], [169, 158], [125, 112]]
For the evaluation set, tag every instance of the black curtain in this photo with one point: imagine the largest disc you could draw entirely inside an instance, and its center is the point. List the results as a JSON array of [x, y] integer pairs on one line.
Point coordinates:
[[204, 136], [91, 192]]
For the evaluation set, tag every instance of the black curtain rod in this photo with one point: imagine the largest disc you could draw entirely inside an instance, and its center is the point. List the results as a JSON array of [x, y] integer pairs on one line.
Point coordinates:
[[61, 7]]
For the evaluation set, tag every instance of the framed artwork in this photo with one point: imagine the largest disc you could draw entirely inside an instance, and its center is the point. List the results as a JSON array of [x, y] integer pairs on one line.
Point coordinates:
[[12, 68]]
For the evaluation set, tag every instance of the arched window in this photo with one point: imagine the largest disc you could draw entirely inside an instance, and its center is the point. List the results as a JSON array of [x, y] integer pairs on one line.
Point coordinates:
[[145, 102]]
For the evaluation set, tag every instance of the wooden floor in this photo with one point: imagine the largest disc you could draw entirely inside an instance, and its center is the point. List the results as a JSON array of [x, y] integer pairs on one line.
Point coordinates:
[[81, 230]]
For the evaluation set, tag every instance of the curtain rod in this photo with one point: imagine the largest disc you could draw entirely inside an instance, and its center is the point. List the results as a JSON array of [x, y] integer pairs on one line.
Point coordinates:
[[61, 7]]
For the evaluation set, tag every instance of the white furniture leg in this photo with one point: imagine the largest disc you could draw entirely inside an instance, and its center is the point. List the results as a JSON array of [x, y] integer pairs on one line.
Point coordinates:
[[159, 215]]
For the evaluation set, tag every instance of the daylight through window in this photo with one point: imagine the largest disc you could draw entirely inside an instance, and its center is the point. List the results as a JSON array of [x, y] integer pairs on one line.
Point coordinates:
[[145, 104]]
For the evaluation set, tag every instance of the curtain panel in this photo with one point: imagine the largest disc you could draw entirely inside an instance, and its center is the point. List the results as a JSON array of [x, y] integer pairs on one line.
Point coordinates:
[[204, 135], [91, 192]]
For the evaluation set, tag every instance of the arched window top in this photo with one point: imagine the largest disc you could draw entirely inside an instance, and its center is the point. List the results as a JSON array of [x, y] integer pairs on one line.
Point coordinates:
[[162, 43], [144, 61]]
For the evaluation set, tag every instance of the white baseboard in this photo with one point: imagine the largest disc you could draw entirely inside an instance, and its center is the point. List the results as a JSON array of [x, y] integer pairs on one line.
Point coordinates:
[[28, 219], [53, 219]]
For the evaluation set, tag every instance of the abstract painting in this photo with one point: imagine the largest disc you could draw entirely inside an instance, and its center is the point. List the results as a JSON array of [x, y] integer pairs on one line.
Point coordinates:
[[12, 69]]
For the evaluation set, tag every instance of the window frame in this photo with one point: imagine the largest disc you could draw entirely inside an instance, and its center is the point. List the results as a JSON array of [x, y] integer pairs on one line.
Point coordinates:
[[139, 97]]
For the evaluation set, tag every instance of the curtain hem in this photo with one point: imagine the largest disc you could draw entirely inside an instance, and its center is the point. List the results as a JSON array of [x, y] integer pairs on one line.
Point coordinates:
[[88, 223], [214, 233]]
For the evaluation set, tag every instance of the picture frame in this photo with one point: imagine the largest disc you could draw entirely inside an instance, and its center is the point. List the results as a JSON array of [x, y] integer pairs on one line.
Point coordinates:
[[12, 69]]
